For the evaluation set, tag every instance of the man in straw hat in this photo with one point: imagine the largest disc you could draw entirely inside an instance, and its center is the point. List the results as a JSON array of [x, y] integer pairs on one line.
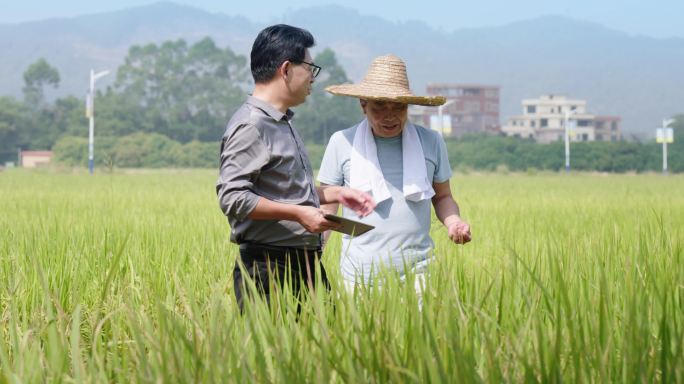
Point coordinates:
[[266, 186], [406, 169]]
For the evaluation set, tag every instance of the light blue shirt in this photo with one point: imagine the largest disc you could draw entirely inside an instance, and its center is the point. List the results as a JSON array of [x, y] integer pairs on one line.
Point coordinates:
[[401, 237]]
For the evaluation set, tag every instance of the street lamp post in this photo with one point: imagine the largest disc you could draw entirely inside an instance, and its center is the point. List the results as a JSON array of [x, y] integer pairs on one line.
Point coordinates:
[[665, 138], [568, 112], [90, 111], [439, 114]]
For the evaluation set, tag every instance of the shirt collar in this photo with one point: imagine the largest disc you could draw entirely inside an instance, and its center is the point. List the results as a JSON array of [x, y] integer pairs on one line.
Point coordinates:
[[269, 109]]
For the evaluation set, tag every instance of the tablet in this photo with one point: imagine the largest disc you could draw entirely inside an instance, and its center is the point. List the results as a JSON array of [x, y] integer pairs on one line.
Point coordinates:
[[349, 227]]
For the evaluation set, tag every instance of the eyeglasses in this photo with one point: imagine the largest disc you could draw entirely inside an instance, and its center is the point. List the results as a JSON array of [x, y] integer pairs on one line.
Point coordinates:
[[315, 69]]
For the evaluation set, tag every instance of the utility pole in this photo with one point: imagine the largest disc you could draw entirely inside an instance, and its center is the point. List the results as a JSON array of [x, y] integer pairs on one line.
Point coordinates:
[[90, 113], [665, 135], [441, 117], [566, 121]]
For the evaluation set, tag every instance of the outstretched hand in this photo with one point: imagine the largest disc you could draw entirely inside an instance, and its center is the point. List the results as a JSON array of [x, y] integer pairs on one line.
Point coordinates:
[[359, 202], [459, 232]]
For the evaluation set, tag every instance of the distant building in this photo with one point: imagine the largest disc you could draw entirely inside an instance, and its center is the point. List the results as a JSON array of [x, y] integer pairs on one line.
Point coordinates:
[[33, 159], [469, 109], [543, 120], [607, 128]]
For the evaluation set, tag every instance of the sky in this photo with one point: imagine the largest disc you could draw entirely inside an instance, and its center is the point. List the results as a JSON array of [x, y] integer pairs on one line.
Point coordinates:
[[655, 18]]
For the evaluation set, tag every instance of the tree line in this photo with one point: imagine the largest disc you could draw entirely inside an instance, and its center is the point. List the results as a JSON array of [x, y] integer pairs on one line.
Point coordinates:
[[166, 96], [169, 104], [497, 153]]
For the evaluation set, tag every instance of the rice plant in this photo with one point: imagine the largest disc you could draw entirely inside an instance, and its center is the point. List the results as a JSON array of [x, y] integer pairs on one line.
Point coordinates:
[[127, 277]]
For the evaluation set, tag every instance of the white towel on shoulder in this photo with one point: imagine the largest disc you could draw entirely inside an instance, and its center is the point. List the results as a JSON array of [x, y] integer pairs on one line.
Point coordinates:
[[366, 175]]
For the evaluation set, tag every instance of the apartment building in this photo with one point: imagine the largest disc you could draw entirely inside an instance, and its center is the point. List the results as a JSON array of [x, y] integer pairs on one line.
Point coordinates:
[[543, 120], [470, 108]]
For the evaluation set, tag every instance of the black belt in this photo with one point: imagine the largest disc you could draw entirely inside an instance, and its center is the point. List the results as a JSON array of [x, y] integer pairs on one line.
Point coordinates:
[[278, 251]]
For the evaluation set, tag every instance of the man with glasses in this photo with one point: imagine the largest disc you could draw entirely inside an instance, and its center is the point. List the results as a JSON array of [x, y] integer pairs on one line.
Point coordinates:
[[265, 186]]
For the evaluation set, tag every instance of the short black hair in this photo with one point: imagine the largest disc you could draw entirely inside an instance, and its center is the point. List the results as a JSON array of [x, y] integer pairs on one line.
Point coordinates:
[[276, 44]]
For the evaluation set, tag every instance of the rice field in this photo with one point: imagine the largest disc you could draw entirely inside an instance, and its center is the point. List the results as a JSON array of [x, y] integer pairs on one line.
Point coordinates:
[[126, 277]]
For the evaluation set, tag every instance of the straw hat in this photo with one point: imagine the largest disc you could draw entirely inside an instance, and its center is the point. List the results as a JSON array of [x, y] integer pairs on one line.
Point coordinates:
[[386, 80]]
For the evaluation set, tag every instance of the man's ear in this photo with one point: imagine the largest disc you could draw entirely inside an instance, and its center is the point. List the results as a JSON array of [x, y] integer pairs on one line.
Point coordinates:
[[284, 69]]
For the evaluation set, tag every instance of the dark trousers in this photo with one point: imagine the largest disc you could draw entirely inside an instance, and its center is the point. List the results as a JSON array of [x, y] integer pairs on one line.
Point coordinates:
[[270, 266]]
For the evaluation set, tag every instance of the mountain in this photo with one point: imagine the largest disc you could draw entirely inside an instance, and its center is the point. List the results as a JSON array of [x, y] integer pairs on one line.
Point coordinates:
[[100, 41], [636, 77]]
